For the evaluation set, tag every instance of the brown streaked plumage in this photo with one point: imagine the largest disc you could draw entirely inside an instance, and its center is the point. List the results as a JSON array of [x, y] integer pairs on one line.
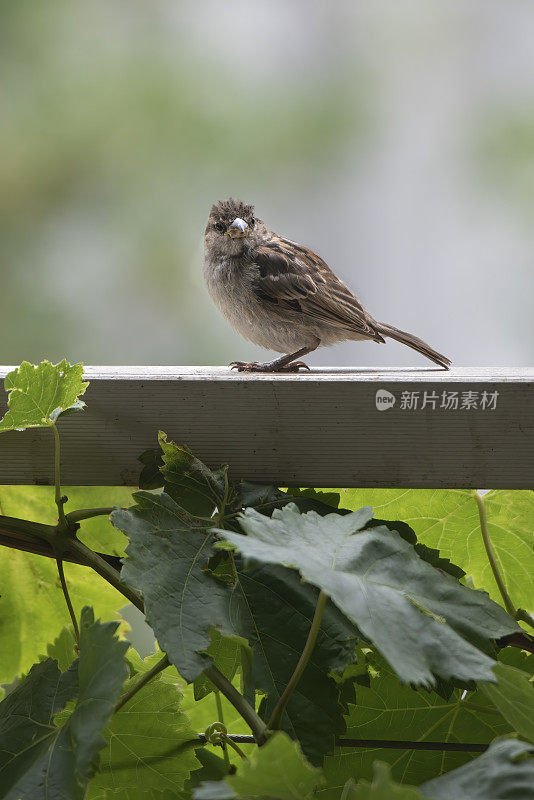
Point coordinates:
[[282, 295]]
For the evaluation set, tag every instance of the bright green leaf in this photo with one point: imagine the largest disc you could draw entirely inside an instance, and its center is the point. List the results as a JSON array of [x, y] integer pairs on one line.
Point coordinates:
[[382, 788], [513, 695], [150, 744], [387, 709], [277, 770], [39, 759], [416, 616], [503, 772], [448, 520], [37, 504], [229, 653], [32, 606], [64, 648], [38, 395]]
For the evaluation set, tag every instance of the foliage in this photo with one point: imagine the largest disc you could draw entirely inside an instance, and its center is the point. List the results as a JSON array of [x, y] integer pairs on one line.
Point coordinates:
[[39, 395], [41, 759], [334, 640]]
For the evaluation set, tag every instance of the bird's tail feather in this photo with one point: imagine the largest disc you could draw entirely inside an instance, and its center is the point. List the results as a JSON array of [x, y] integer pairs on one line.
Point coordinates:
[[415, 343]]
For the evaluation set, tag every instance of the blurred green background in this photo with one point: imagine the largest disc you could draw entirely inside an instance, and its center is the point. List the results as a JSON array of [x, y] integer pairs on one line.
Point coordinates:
[[396, 139]]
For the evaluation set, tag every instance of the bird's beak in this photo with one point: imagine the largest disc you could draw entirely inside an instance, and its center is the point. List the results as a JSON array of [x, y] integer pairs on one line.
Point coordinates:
[[238, 229]]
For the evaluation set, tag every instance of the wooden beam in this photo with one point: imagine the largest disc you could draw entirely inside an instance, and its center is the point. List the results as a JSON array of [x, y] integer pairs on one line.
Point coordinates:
[[329, 427]]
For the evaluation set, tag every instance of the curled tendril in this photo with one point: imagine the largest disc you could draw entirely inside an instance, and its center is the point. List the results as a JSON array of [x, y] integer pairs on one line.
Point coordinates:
[[216, 733]]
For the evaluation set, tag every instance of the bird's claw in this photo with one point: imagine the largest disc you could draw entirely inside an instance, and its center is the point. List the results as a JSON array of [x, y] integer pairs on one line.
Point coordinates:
[[256, 366], [244, 366]]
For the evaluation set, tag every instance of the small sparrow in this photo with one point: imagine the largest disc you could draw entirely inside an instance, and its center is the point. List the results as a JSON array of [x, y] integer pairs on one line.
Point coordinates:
[[281, 295]]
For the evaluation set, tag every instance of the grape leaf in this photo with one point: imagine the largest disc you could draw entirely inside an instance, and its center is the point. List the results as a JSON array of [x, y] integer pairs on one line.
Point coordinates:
[[199, 490], [503, 772], [167, 559], [448, 520], [63, 649], [191, 483], [277, 770], [32, 605], [415, 615], [382, 787], [38, 759], [229, 653], [27, 730], [388, 710], [39, 395], [513, 695], [275, 610], [150, 742]]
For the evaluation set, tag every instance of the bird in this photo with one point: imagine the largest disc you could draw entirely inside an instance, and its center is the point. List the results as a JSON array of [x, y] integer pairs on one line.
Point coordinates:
[[281, 295]]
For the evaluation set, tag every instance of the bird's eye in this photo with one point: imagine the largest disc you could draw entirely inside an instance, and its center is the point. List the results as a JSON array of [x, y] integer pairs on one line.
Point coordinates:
[[220, 226], [251, 223]]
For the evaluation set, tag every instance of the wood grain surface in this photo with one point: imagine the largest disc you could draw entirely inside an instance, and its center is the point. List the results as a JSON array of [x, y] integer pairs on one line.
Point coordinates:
[[322, 428]]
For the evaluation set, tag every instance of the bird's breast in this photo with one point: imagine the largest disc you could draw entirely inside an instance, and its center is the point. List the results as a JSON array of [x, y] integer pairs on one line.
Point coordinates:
[[231, 287]]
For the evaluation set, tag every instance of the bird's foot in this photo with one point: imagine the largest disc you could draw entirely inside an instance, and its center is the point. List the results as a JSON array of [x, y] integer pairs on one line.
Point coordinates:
[[268, 366]]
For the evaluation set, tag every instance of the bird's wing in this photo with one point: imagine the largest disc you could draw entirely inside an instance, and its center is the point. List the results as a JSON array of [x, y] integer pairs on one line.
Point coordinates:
[[294, 277]]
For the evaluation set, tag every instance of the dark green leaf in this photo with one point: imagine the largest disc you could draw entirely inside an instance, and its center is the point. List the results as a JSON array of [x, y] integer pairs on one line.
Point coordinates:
[[38, 759], [27, 730], [191, 483], [504, 772], [275, 610], [38, 395], [327, 497], [151, 476], [167, 560], [415, 615]]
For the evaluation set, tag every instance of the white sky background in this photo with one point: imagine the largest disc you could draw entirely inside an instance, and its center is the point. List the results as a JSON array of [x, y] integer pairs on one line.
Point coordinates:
[[410, 216], [429, 246]]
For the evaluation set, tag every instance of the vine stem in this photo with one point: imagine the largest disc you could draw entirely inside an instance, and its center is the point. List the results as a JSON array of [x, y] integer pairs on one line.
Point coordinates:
[[491, 555], [106, 571], [236, 747], [255, 723], [60, 501], [276, 717], [87, 513], [66, 594], [220, 717], [162, 664]]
